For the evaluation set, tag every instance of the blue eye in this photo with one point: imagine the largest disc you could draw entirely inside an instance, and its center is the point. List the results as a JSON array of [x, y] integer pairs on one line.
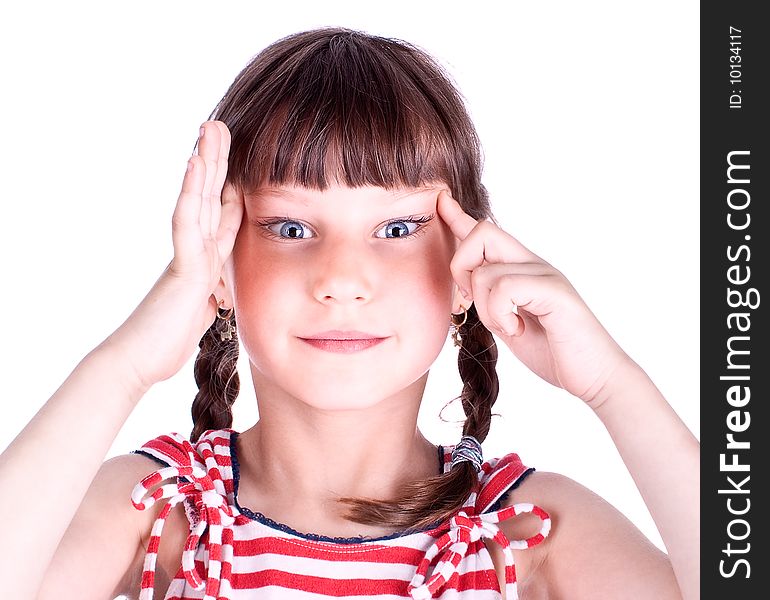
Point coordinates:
[[292, 230], [399, 229], [289, 229]]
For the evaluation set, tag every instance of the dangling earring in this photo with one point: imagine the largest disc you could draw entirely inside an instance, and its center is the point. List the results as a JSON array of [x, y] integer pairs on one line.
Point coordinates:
[[455, 327], [225, 315]]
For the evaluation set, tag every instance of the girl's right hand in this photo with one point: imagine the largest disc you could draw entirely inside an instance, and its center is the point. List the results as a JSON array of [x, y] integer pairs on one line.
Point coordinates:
[[165, 329]]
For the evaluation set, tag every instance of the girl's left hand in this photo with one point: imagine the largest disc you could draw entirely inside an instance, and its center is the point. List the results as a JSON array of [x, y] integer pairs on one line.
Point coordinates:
[[554, 333]]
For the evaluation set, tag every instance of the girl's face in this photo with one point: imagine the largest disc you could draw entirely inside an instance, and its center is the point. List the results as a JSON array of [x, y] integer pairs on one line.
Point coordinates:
[[309, 264]]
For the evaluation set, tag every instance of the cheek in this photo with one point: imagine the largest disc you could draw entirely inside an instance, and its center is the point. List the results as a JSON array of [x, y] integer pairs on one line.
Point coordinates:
[[429, 281], [259, 281], [262, 302], [437, 261]]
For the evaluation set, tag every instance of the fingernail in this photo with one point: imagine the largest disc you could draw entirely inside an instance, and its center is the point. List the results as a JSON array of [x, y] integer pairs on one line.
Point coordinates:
[[189, 165], [203, 130]]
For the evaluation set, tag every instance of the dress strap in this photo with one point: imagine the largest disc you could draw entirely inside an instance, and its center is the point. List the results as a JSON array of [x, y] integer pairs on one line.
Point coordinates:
[[207, 510], [464, 530]]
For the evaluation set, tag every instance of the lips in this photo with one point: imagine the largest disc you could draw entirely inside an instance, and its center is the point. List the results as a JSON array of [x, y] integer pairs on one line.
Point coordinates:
[[343, 342], [336, 334]]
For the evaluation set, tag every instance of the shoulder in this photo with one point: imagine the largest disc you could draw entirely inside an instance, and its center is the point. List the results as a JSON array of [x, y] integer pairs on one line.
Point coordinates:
[[162, 459], [133, 478], [113, 486], [107, 530], [592, 550], [115, 519]]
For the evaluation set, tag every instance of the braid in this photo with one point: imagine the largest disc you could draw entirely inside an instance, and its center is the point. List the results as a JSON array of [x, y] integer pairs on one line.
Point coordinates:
[[420, 504], [477, 363], [217, 378]]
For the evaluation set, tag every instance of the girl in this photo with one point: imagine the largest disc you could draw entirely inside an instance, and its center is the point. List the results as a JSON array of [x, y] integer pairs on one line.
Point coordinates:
[[333, 222]]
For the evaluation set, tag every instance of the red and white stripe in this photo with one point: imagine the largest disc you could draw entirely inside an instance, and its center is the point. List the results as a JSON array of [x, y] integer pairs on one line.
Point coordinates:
[[246, 558], [466, 530], [207, 509]]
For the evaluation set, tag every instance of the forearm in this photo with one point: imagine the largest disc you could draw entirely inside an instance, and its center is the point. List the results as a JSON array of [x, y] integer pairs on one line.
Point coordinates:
[[663, 458], [49, 466]]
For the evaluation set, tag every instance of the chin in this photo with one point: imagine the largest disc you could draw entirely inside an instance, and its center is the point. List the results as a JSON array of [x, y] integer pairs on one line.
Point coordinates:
[[342, 400]]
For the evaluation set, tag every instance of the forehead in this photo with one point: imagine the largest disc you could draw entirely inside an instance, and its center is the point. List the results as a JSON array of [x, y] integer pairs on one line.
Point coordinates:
[[301, 196]]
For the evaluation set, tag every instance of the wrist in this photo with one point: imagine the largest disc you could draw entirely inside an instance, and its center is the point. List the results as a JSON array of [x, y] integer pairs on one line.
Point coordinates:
[[111, 357], [626, 378]]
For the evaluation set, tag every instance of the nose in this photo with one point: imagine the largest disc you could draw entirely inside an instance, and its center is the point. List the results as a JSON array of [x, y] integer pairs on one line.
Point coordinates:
[[343, 274]]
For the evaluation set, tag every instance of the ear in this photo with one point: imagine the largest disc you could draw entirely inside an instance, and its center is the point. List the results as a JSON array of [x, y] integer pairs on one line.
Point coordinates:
[[224, 288]]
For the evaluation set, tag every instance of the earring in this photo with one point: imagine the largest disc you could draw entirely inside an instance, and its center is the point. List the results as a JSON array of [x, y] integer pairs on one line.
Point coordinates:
[[455, 327], [225, 315]]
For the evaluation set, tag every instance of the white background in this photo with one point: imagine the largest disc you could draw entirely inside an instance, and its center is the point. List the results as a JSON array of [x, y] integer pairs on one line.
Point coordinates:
[[589, 118]]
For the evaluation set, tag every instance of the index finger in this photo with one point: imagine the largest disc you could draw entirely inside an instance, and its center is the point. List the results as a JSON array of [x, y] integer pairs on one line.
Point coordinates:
[[460, 223]]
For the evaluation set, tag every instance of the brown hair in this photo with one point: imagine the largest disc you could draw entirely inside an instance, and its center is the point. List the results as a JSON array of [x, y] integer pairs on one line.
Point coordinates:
[[337, 105]]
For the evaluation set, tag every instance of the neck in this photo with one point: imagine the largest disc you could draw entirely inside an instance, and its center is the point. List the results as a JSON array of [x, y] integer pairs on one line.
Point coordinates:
[[299, 459]]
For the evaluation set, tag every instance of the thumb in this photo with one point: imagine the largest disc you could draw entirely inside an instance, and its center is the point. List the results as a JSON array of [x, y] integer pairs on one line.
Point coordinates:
[[511, 324]]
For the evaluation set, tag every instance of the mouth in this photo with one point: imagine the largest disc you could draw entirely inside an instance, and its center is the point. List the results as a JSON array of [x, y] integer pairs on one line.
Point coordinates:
[[343, 342]]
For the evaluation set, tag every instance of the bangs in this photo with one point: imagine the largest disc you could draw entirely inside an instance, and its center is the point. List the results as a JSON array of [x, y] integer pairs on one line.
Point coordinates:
[[339, 107]]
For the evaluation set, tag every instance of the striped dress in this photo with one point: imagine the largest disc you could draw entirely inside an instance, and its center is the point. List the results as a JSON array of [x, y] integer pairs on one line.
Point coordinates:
[[233, 553]]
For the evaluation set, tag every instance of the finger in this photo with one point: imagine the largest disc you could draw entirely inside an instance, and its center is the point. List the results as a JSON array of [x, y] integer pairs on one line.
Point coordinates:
[[221, 175], [185, 222], [232, 214], [488, 244], [481, 242], [498, 246], [460, 223], [224, 151], [491, 308], [538, 294], [485, 276], [208, 149]]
